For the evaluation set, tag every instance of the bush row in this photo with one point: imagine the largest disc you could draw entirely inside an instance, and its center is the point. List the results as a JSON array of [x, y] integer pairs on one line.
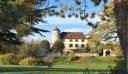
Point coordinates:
[[11, 59], [7, 59]]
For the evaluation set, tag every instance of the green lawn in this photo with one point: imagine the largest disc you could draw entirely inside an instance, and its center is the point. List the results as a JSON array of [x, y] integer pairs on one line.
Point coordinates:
[[87, 63], [89, 66], [57, 69], [38, 72], [76, 66]]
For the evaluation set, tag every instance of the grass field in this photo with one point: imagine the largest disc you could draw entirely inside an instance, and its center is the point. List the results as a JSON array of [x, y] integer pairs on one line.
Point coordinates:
[[89, 66], [57, 69], [38, 72], [75, 67]]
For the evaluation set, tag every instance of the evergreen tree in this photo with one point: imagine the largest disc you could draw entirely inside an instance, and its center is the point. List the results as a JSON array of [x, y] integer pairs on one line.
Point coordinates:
[[17, 19]]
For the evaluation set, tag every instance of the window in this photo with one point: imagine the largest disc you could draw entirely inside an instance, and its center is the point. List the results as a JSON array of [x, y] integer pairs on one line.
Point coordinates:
[[70, 40], [76, 45], [82, 40], [76, 40], [82, 45], [70, 45]]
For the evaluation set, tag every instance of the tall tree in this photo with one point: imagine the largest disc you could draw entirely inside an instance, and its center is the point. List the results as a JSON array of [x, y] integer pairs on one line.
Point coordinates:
[[58, 46], [121, 14], [29, 49], [44, 44], [121, 10], [18, 17], [103, 34]]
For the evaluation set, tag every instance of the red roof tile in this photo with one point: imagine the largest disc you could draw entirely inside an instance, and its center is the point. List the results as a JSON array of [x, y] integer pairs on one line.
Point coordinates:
[[72, 35]]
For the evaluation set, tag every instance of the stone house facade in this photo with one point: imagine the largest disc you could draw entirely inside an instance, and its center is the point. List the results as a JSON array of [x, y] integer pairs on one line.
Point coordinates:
[[73, 41]]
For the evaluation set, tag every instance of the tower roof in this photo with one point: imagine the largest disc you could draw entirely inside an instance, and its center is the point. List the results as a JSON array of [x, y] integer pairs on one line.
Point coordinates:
[[56, 29]]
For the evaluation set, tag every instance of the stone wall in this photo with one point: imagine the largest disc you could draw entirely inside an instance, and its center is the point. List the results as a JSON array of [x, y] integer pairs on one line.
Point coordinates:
[[86, 54]]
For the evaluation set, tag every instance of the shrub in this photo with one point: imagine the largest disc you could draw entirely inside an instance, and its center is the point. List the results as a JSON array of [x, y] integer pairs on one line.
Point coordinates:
[[7, 59], [29, 61]]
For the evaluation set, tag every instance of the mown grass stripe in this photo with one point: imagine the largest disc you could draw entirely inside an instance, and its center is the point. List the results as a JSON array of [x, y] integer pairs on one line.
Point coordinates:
[[24, 69]]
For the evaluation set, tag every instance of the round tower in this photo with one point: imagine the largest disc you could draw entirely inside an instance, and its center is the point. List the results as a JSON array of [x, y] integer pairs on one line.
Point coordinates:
[[55, 35]]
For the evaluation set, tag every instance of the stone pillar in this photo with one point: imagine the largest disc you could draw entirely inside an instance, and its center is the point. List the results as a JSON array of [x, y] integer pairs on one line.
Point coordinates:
[[104, 53]]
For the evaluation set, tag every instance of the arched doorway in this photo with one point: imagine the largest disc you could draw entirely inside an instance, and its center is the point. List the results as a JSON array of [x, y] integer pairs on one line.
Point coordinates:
[[107, 52]]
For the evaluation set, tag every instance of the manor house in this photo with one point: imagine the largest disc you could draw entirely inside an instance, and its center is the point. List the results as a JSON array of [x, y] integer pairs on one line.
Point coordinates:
[[73, 41]]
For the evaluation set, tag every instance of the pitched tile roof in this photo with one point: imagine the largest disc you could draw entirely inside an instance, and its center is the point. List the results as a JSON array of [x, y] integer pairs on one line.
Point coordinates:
[[72, 35]]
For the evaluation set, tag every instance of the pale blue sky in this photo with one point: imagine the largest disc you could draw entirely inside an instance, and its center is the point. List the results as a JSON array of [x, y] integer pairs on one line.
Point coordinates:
[[66, 24]]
